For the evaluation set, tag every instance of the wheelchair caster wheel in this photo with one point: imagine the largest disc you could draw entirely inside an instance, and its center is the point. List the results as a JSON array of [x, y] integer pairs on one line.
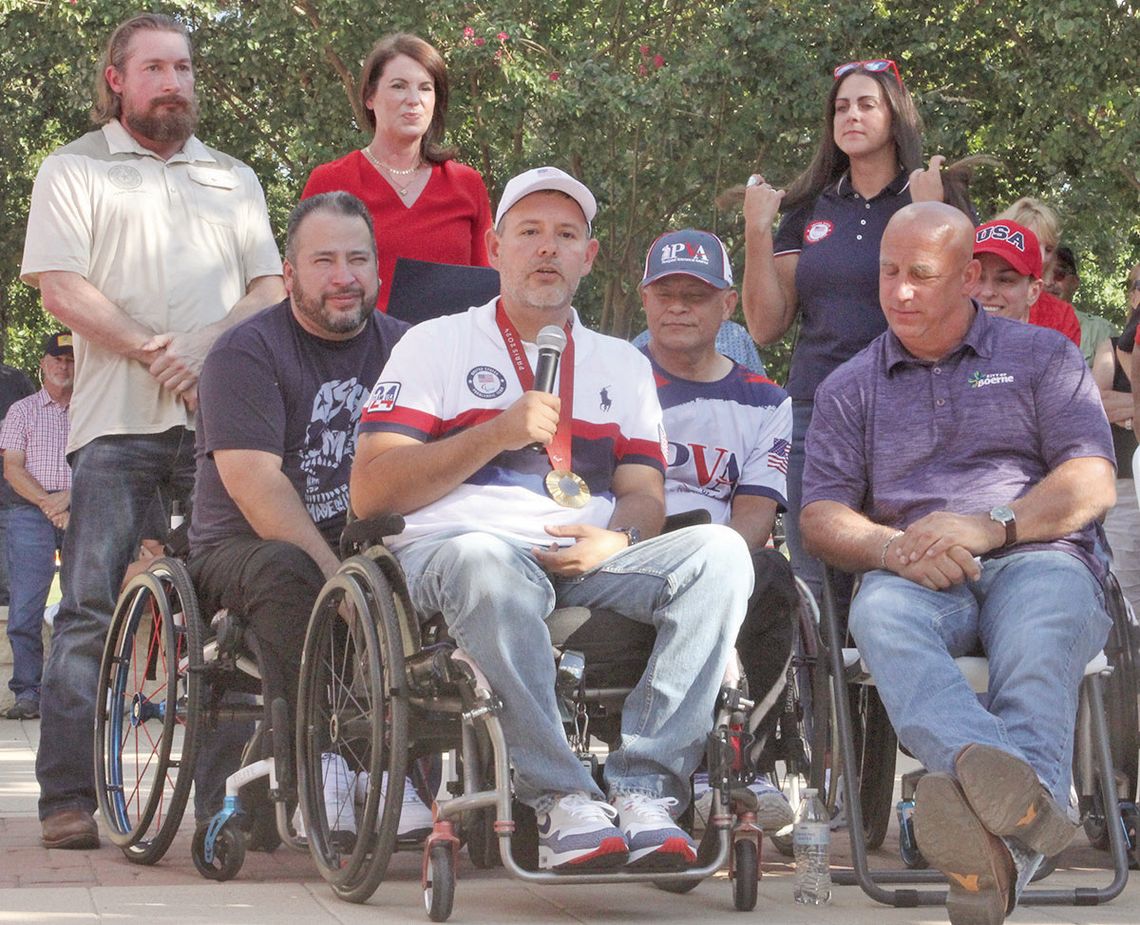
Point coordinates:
[[228, 854], [909, 851], [439, 883], [745, 874], [1130, 820]]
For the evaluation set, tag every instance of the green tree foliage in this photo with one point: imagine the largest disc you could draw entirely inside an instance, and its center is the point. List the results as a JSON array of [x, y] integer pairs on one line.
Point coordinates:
[[658, 106]]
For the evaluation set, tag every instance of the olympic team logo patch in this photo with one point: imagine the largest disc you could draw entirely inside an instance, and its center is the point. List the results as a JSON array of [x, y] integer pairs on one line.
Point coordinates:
[[486, 382], [383, 397], [817, 231]]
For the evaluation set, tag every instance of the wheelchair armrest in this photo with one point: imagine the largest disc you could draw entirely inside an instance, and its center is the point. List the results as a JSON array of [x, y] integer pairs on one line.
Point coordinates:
[[686, 519], [360, 534]]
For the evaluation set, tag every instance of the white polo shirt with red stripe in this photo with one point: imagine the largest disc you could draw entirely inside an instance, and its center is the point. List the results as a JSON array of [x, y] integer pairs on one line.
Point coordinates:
[[452, 373]]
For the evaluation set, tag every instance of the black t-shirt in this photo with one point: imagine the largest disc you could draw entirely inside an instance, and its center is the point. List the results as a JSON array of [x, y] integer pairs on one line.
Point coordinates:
[[270, 385], [14, 385]]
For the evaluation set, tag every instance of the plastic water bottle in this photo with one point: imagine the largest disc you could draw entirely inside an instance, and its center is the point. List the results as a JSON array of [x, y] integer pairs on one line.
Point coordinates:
[[811, 840]]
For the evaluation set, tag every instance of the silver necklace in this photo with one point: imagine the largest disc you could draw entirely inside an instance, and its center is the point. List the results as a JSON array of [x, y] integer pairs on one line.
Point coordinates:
[[380, 165]]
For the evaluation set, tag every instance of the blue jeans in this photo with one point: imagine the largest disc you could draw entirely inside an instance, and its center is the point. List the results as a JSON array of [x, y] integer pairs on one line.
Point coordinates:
[[30, 544], [691, 585], [115, 480], [1038, 616]]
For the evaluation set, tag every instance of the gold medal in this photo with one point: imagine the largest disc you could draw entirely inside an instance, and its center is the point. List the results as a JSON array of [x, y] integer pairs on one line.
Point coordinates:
[[567, 489]]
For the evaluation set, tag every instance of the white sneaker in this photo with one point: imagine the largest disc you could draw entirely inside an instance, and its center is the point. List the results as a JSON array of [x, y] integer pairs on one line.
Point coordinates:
[[339, 787], [773, 811], [655, 840], [415, 816], [578, 834]]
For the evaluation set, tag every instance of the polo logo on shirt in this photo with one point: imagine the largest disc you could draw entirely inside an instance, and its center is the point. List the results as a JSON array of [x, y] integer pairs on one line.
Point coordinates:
[[817, 231], [125, 176], [980, 380], [383, 397], [486, 382]]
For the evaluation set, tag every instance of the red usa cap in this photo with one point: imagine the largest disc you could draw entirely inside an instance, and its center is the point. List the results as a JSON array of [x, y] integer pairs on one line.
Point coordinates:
[[1014, 243]]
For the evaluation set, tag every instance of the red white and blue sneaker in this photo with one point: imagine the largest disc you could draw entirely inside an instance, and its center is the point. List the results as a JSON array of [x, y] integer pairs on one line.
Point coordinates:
[[655, 841], [578, 833]]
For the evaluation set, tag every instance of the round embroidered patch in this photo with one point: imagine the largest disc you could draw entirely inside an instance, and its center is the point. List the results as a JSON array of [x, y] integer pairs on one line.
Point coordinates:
[[817, 231], [124, 176], [486, 382]]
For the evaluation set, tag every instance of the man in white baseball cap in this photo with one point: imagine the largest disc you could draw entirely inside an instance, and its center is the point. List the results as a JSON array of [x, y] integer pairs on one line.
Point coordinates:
[[498, 535]]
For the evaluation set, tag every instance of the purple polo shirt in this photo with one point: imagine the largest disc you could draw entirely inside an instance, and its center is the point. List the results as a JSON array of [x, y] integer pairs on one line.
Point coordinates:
[[898, 438], [837, 277]]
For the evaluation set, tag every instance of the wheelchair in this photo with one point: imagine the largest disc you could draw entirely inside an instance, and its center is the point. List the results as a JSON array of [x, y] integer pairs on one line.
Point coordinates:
[[864, 748], [162, 683], [380, 689]]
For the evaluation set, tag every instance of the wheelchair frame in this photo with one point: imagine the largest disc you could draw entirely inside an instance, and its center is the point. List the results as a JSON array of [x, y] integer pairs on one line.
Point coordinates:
[[441, 684], [1092, 706]]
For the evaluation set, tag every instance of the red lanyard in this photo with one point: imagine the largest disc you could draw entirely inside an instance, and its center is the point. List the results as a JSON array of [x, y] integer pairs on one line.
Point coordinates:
[[559, 449]]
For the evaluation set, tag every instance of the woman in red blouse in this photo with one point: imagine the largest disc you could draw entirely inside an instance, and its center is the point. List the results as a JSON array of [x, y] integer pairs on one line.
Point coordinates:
[[424, 204]]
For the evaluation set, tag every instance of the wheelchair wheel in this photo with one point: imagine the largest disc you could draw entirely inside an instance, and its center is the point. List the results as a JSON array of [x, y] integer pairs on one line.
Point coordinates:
[[439, 883], [229, 852], [876, 748], [147, 710], [1121, 690], [745, 874], [352, 718]]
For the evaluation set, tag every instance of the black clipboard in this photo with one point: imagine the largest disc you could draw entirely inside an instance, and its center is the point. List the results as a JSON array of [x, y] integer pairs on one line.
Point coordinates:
[[421, 290]]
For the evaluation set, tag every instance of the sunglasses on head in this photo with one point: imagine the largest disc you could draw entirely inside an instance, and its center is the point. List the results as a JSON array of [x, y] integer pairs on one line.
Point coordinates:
[[876, 65]]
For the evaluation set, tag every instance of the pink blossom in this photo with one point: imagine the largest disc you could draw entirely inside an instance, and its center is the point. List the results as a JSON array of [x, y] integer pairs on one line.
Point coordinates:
[[554, 75], [480, 41], [468, 32], [502, 36], [658, 60], [499, 55], [645, 51], [642, 70]]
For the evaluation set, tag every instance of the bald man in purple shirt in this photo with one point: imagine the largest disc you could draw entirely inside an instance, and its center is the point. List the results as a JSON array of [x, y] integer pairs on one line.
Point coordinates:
[[959, 461]]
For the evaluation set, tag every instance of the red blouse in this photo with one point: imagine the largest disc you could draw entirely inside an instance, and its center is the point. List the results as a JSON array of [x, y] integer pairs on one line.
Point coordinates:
[[446, 224]]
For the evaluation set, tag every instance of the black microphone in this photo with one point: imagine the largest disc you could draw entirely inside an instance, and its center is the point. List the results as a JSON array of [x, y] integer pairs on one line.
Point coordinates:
[[551, 342]]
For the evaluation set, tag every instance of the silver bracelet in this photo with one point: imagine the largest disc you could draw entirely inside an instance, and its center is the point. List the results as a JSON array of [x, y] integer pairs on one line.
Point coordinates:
[[887, 545]]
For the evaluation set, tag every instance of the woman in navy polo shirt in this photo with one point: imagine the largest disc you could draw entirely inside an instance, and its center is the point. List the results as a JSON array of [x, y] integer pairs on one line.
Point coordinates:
[[823, 263]]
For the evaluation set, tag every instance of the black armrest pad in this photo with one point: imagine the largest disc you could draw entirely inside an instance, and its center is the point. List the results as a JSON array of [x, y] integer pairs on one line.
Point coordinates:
[[686, 519], [360, 534]]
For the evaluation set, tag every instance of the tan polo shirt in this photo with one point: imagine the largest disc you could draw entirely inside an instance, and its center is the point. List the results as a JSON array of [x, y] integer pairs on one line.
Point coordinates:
[[173, 243]]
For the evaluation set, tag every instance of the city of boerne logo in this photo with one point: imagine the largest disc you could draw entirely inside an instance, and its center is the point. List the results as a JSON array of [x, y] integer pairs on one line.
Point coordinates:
[[486, 382], [979, 380], [817, 231], [671, 253]]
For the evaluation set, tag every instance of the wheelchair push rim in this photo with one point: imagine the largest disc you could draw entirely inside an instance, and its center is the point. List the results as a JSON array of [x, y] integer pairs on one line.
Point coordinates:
[[147, 710]]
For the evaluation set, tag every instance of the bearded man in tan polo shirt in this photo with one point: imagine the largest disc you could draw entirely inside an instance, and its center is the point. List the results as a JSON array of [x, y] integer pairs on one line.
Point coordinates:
[[147, 245]]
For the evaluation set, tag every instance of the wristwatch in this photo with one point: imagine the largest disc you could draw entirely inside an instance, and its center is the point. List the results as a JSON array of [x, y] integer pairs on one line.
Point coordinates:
[[1004, 516], [631, 533]]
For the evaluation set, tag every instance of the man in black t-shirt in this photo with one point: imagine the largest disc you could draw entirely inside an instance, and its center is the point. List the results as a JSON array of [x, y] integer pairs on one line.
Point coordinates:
[[279, 398]]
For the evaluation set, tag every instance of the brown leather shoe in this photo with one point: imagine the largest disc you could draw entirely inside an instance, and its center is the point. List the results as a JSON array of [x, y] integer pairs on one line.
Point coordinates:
[[977, 863], [71, 828], [1009, 799]]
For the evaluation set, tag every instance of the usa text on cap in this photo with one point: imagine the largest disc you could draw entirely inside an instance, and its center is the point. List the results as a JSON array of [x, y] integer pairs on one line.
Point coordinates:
[[1014, 243]]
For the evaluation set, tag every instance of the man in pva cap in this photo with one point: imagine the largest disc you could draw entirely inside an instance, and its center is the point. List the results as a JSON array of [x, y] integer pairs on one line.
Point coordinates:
[[498, 535], [730, 432]]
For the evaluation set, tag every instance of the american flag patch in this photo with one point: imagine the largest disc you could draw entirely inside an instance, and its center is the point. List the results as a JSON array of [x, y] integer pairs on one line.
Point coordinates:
[[778, 454]]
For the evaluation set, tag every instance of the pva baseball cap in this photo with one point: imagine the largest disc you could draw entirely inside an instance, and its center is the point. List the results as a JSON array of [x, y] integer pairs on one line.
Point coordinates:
[[540, 179], [58, 345], [694, 253], [1014, 243]]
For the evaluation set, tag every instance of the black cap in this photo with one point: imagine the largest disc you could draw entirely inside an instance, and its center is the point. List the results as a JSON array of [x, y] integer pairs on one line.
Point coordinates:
[[58, 344]]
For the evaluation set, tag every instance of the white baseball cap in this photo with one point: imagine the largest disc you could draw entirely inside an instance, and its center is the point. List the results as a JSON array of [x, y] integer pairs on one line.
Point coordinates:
[[539, 179]]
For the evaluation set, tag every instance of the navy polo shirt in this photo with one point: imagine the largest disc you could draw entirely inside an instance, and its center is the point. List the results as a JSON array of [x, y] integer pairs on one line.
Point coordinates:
[[898, 438], [837, 279]]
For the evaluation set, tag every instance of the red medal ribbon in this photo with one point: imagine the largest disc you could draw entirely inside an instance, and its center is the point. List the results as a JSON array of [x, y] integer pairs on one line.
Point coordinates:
[[559, 449]]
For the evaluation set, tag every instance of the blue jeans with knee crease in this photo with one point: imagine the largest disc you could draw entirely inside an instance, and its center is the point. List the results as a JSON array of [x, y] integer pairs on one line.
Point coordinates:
[[692, 585], [1038, 616]]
